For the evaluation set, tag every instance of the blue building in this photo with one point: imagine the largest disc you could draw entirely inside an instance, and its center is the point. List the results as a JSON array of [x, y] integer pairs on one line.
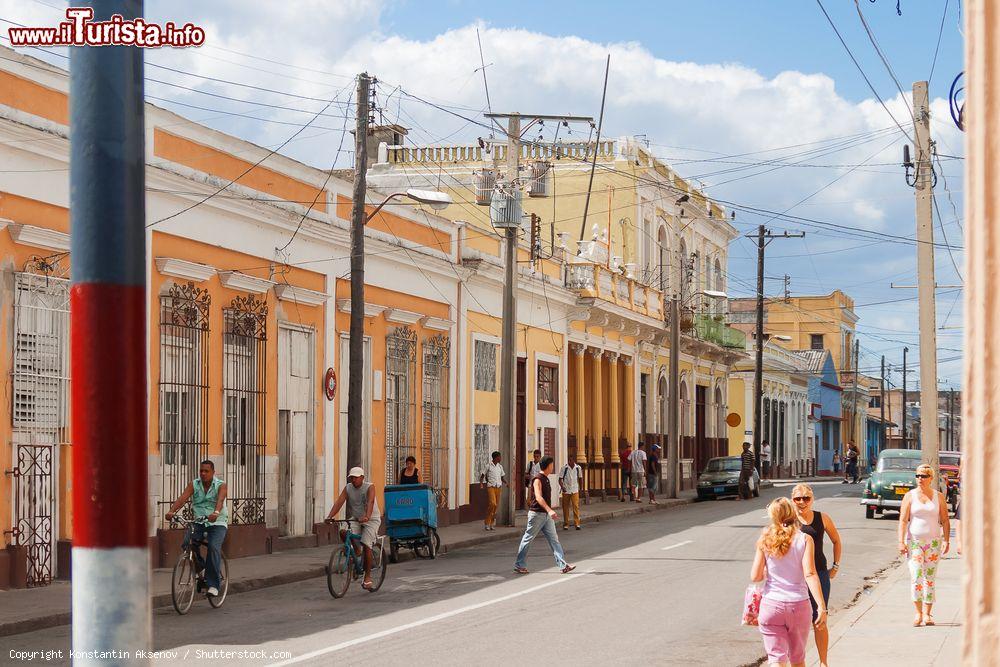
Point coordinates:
[[825, 406]]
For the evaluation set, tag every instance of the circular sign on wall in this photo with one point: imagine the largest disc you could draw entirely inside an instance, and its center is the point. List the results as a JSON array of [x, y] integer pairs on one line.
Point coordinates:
[[733, 419], [330, 384]]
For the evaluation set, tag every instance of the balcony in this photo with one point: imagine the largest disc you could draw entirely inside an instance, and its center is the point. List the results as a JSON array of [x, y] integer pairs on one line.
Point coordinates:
[[600, 282], [709, 329]]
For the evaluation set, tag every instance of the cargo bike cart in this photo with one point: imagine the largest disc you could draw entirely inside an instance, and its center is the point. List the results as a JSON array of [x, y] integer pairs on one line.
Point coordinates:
[[411, 520]]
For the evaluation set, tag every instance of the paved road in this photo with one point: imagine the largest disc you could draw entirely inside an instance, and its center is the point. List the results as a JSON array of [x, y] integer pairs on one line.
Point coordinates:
[[665, 587]]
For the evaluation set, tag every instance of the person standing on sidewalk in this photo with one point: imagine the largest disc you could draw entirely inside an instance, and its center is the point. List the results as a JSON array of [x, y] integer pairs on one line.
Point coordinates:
[[785, 562], [924, 530], [529, 474], [765, 460], [569, 484], [638, 461], [836, 463], [624, 456], [493, 478], [746, 471], [653, 473], [815, 525], [542, 519]]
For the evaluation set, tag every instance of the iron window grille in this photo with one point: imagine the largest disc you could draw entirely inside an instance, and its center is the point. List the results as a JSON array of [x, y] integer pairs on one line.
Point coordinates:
[[548, 386], [486, 366], [183, 389], [245, 406], [400, 399], [434, 453], [486, 438]]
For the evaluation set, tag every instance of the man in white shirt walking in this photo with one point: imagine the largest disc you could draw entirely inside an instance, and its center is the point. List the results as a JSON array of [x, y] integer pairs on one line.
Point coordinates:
[[529, 474], [765, 460], [494, 479], [638, 460], [569, 484]]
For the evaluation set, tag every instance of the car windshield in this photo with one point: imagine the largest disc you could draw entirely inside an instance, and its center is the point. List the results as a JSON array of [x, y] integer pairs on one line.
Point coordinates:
[[949, 459], [898, 463], [723, 465]]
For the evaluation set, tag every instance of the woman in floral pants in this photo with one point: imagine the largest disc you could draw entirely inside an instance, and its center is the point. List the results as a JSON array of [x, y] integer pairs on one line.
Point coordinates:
[[923, 537]]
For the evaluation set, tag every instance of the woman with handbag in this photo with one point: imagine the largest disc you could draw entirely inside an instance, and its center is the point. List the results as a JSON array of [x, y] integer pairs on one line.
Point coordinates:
[[784, 561]]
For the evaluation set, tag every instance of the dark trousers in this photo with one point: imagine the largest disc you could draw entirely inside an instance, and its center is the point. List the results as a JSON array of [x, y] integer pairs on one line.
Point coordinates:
[[215, 536], [745, 485], [852, 472]]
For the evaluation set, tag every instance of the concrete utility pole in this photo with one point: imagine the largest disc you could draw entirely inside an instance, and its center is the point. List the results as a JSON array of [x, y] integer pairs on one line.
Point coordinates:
[[508, 341], [924, 190], [110, 557], [905, 439], [356, 343], [673, 416], [854, 400], [881, 403]]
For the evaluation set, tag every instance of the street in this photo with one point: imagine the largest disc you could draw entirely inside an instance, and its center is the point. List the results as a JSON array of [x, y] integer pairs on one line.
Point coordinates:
[[664, 587]]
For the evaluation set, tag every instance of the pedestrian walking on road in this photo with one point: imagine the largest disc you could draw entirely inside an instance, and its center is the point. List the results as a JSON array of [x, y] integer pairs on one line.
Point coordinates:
[[638, 460], [765, 460], [494, 479], [653, 473], [529, 474], [542, 519], [815, 525], [569, 485], [785, 562], [746, 471], [851, 467], [924, 530], [625, 457]]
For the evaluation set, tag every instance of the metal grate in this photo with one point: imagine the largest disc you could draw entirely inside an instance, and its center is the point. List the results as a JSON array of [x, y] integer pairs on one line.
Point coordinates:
[[485, 366], [486, 438], [245, 393], [184, 326], [39, 413], [434, 453], [400, 399]]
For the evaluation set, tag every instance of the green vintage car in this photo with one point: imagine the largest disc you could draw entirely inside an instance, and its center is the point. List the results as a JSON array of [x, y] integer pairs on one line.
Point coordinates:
[[893, 477]]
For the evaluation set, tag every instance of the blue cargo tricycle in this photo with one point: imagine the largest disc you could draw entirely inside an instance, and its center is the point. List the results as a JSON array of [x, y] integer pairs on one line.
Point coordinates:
[[411, 520]]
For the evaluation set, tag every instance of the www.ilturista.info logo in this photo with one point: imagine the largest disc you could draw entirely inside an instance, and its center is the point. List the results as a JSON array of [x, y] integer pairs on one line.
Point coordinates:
[[81, 30]]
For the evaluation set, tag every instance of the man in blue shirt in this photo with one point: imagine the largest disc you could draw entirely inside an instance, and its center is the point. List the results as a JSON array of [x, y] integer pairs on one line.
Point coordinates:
[[208, 500]]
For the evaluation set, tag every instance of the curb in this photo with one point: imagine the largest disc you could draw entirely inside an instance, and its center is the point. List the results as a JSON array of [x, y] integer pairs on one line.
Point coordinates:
[[246, 585]]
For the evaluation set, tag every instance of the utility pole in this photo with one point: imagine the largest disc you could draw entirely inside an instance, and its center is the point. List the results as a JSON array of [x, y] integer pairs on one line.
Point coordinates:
[[356, 344], [951, 420], [854, 399], [763, 237], [110, 554], [924, 190], [881, 403], [905, 439], [508, 342], [673, 416]]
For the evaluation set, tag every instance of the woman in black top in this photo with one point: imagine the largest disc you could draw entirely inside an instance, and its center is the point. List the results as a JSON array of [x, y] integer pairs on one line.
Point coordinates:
[[815, 525], [409, 474]]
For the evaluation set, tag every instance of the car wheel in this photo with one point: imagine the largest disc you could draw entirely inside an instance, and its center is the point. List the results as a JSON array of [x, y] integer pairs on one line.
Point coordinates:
[[869, 512]]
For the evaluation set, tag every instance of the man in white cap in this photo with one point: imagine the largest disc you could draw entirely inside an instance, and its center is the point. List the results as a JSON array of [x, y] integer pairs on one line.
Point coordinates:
[[362, 509]]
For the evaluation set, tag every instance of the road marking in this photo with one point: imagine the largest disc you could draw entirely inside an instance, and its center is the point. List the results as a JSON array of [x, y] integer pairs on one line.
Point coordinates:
[[432, 619], [679, 544]]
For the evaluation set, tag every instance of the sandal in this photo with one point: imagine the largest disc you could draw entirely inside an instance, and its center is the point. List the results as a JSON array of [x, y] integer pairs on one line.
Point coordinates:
[[521, 570], [568, 569], [368, 585], [928, 620], [918, 620]]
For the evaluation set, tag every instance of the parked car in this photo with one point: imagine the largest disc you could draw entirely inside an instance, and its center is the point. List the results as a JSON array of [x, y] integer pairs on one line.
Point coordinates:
[[950, 465], [893, 477], [721, 477]]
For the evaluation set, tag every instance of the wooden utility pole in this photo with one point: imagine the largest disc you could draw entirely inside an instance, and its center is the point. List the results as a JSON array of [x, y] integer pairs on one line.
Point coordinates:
[[903, 402], [356, 344], [881, 403]]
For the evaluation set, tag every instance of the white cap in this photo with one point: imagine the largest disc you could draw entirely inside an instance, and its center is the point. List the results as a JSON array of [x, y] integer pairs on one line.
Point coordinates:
[[356, 471]]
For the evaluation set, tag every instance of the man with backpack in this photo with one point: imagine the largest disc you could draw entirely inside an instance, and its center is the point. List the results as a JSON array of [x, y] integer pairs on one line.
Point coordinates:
[[569, 484], [625, 457], [529, 474]]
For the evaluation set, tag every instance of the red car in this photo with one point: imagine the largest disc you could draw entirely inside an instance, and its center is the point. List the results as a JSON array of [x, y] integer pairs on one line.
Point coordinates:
[[950, 465]]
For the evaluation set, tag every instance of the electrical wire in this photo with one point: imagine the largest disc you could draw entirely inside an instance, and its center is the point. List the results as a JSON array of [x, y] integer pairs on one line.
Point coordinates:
[[937, 47]]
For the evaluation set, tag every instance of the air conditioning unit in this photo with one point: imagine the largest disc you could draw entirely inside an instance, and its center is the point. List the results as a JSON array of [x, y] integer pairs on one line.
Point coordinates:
[[484, 181], [505, 208], [538, 185]]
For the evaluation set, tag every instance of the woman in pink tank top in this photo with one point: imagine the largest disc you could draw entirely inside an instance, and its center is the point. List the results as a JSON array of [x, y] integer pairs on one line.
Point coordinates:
[[784, 561], [923, 537]]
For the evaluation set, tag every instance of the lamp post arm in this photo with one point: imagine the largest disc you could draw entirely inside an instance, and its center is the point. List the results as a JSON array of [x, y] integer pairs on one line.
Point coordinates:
[[384, 202]]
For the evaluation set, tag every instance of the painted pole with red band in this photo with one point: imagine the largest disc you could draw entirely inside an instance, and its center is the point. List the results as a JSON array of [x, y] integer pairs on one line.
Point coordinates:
[[111, 607]]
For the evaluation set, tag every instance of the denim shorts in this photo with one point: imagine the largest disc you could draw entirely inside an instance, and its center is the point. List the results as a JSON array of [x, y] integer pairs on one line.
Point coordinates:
[[824, 584]]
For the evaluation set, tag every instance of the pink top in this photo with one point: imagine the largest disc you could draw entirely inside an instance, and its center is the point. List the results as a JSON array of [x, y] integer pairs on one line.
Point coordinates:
[[925, 518], [785, 581]]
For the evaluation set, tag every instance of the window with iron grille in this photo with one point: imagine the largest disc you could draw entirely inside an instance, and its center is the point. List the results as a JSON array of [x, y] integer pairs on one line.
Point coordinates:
[[183, 388], [434, 453], [816, 342], [548, 386], [486, 366], [400, 399], [244, 381], [486, 437]]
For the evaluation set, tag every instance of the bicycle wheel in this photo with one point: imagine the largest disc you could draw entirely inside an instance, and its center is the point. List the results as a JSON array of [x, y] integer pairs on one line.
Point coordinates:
[[339, 572], [217, 600], [183, 584], [380, 564]]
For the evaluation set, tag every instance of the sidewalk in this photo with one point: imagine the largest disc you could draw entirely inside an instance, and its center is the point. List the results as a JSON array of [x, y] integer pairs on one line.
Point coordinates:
[[38, 608], [877, 630]]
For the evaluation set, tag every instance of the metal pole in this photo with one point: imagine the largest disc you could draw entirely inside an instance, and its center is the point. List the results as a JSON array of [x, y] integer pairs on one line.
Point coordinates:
[[924, 190], [673, 417], [356, 344], [758, 372], [110, 557], [508, 342], [881, 403], [905, 439]]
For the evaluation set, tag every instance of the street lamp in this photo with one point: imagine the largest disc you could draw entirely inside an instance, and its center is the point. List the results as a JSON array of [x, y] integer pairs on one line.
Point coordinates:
[[673, 436], [355, 387]]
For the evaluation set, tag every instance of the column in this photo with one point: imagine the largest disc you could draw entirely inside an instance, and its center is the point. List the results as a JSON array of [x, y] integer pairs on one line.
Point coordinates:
[[631, 416], [980, 398], [614, 417], [597, 405], [579, 404]]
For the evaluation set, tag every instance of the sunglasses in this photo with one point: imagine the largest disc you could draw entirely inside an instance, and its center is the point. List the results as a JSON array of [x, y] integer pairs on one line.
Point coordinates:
[[922, 476], [802, 499]]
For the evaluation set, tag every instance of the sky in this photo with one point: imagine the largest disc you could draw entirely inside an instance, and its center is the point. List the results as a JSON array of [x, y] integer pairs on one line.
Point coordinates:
[[716, 87]]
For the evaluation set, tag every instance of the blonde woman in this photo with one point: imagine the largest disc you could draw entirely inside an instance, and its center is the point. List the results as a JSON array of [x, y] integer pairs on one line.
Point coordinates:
[[816, 525], [784, 561], [923, 537]]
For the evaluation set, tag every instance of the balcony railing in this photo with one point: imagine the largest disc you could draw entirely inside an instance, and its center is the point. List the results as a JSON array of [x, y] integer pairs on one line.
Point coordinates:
[[708, 328], [579, 150], [595, 280]]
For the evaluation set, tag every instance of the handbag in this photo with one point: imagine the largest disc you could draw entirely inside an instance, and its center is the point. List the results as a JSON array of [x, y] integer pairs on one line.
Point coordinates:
[[751, 604]]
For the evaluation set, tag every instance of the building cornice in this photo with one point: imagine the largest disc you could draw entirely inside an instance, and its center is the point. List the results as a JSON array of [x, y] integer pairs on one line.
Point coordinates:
[[244, 283], [181, 268], [300, 295]]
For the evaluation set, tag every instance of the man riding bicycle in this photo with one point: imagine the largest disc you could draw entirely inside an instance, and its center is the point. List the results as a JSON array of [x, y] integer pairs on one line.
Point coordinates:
[[208, 499], [362, 513]]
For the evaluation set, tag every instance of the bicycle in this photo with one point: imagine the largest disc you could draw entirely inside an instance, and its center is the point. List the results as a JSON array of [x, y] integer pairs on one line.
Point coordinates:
[[347, 564], [186, 580]]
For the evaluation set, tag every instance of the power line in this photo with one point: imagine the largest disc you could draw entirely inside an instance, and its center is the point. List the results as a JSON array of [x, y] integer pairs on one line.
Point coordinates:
[[944, 15]]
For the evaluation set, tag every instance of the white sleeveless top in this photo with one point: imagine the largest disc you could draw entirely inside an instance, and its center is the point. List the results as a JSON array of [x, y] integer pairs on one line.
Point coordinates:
[[925, 518]]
